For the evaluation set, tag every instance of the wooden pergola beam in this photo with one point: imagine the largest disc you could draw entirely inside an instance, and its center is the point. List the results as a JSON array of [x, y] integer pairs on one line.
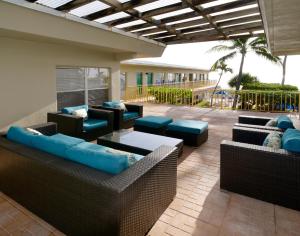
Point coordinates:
[[73, 4]]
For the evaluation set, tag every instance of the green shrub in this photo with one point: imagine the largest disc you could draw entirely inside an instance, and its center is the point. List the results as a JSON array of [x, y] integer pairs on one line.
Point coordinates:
[[246, 79], [204, 103], [171, 95], [269, 87]]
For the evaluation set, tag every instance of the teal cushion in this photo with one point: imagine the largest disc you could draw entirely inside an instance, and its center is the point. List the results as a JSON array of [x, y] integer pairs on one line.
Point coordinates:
[[273, 140], [291, 140], [130, 115], [56, 144], [91, 124], [284, 122], [69, 110], [113, 104], [97, 157], [153, 121], [21, 135], [188, 126]]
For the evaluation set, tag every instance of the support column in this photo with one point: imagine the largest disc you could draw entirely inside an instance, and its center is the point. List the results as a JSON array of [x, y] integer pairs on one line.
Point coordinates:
[[115, 83]]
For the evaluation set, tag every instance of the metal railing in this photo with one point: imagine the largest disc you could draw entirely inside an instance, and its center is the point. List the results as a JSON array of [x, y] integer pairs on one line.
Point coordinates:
[[264, 101]]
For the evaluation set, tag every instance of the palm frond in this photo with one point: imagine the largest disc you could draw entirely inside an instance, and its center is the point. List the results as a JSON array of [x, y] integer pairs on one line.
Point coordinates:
[[220, 48], [228, 56], [265, 54]]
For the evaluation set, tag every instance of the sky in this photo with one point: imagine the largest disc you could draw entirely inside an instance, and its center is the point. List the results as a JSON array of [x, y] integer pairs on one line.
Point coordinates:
[[197, 55]]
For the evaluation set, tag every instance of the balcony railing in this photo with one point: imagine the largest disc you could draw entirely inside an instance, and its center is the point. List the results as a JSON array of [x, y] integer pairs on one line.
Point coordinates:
[[265, 101]]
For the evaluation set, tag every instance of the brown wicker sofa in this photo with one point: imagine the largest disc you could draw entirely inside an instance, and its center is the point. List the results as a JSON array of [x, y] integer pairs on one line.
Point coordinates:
[[260, 172], [79, 200], [74, 126], [120, 122], [255, 122]]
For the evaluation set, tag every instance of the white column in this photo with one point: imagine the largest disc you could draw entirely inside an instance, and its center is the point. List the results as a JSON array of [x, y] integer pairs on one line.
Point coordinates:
[[114, 86]]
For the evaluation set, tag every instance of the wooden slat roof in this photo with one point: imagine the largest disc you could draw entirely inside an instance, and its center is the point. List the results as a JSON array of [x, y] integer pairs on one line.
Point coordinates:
[[172, 21]]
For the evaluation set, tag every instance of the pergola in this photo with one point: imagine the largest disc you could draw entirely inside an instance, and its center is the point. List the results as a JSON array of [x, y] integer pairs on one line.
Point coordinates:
[[170, 21]]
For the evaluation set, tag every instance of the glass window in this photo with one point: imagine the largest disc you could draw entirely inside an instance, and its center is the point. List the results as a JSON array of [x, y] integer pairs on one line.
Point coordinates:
[[77, 86]]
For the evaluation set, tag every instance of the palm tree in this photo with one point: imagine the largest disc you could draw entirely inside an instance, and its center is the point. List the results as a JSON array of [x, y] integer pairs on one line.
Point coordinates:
[[242, 46], [283, 70], [222, 67]]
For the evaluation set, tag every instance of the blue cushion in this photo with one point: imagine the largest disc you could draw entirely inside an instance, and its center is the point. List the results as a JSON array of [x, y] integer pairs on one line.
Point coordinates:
[[21, 135], [112, 104], [91, 124], [130, 115], [56, 144], [188, 126], [284, 122], [69, 110], [153, 121], [291, 140], [96, 157]]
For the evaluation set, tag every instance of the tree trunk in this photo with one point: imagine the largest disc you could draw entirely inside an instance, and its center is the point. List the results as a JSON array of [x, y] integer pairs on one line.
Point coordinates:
[[212, 96], [283, 70], [238, 82]]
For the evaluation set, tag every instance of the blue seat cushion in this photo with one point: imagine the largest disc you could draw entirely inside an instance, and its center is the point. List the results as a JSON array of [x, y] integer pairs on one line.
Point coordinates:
[[130, 115], [153, 121], [284, 122], [91, 124], [291, 140], [97, 156], [21, 135], [70, 110], [56, 144], [188, 126]]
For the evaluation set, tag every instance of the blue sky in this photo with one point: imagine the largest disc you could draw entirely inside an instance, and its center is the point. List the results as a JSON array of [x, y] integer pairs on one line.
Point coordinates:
[[195, 54]]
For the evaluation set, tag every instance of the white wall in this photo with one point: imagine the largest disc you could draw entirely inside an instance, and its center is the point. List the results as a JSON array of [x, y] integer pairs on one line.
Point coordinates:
[[28, 77]]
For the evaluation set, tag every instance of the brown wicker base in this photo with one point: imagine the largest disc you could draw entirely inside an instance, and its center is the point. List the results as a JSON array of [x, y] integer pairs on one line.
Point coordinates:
[[188, 138]]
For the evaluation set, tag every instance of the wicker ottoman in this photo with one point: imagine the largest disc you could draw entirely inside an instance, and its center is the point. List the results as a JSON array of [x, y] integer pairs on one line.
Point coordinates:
[[152, 124], [193, 132]]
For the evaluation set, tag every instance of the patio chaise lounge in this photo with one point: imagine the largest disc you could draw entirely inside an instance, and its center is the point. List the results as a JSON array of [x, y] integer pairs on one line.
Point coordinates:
[[98, 122], [269, 174], [268, 123], [193, 132], [76, 198], [124, 116]]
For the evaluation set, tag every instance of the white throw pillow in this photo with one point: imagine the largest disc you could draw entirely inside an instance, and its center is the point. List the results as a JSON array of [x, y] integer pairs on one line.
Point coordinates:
[[273, 140], [272, 122], [121, 106], [33, 131], [80, 113]]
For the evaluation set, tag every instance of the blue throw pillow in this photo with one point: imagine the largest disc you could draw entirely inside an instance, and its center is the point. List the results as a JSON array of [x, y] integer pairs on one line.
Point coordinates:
[[56, 144], [21, 135], [284, 122], [96, 157], [291, 140]]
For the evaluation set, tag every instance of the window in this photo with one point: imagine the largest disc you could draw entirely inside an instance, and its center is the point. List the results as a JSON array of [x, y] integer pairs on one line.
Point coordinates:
[[77, 86]]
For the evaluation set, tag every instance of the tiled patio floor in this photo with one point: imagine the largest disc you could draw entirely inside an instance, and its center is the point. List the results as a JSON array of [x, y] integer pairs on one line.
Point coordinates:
[[200, 207]]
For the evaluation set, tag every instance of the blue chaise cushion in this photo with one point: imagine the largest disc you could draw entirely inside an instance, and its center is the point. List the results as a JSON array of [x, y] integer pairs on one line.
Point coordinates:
[[91, 124], [130, 115], [56, 144], [188, 126], [284, 122], [97, 157], [112, 104], [291, 140], [69, 110], [153, 121], [21, 135]]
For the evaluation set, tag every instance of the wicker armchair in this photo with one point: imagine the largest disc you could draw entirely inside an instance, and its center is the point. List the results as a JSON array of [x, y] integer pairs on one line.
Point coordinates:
[[79, 200], [255, 122], [74, 126], [119, 121], [260, 172]]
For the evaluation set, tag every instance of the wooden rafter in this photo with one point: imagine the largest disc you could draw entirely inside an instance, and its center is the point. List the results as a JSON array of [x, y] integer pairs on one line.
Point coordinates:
[[180, 28]]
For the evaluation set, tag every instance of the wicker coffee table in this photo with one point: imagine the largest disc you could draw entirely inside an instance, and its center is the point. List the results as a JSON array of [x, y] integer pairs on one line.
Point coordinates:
[[138, 142]]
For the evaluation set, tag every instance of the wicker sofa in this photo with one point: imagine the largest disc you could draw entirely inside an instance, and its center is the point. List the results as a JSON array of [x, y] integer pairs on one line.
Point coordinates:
[[121, 120], [260, 172], [255, 122], [74, 126], [79, 200]]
